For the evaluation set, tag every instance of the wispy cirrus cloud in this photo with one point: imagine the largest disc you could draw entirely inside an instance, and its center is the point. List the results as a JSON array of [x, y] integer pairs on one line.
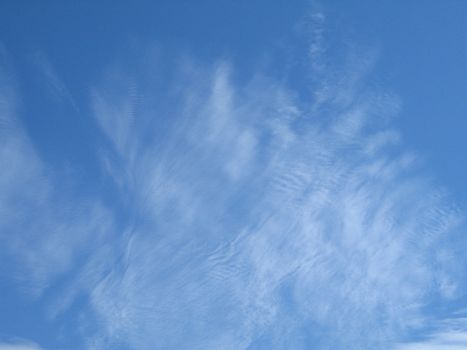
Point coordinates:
[[19, 347], [244, 216], [258, 220], [51, 79], [18, 344], [450, 334], [42, 231]]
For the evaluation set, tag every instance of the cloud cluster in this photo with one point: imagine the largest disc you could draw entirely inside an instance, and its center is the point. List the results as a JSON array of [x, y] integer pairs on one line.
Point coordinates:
[[243, 218], [257, 219], [450, 334], [43, 231], [18, 347]]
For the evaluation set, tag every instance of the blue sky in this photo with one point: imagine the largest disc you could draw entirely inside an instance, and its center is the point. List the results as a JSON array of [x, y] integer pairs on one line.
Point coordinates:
[[233, 175]]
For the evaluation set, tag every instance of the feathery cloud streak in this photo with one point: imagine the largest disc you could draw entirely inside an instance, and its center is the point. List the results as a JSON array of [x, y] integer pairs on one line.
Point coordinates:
[[254, 216], [247, 218]]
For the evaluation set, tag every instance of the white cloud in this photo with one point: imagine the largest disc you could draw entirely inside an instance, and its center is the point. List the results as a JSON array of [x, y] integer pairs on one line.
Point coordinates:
[[51, 79], [450, 335], [250, 212], [245, 213], [19, 346], [42, 230]]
